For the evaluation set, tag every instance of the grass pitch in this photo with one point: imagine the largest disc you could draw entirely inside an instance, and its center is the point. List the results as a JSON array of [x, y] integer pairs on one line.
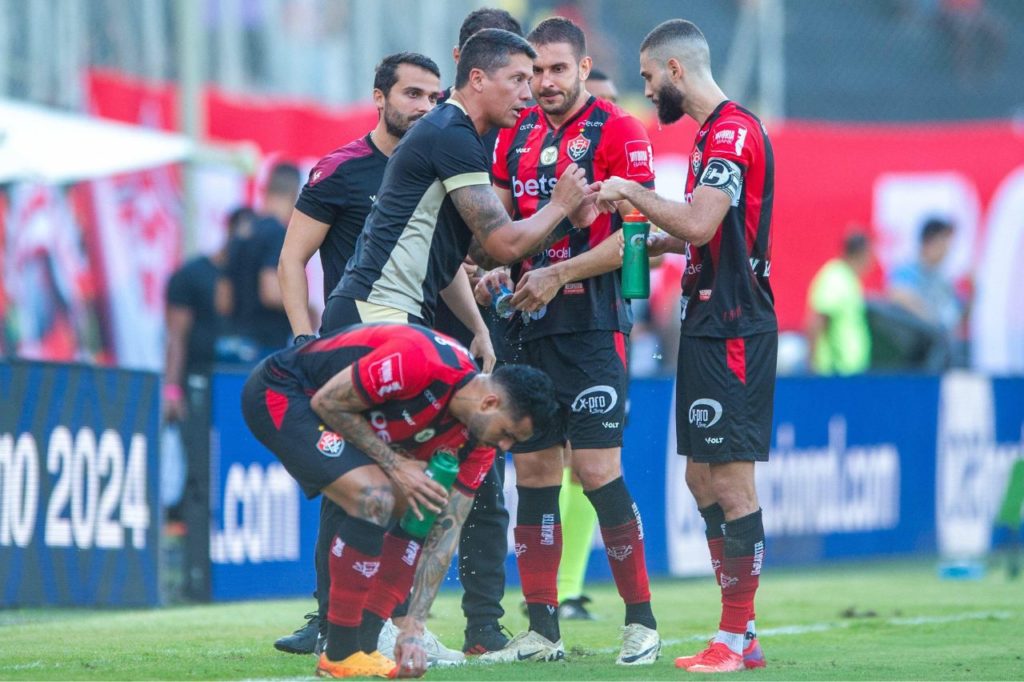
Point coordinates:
[[854, 622]]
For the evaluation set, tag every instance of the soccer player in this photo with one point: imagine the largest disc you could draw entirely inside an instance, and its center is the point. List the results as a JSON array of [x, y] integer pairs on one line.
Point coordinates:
[[328, 217], [354, 416], [436, 203], [726, 381], [577, 334], [577, 514]]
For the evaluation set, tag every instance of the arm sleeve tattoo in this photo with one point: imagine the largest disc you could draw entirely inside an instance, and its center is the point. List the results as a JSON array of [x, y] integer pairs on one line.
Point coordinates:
[[336, 409], [437, 554]]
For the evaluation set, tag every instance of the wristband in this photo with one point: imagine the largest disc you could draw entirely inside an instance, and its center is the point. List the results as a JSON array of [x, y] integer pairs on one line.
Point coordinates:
[[173, 392], [303, 338]]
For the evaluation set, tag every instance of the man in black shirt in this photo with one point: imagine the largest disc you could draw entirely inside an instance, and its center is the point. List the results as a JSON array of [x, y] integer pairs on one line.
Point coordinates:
[[257, 318]]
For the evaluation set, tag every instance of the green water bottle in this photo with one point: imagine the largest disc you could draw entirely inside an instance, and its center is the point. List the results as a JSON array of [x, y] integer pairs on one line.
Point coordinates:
[[636, 270], [443, 468]]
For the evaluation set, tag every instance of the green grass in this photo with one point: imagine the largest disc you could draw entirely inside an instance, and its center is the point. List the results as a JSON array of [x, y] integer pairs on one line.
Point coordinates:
[[855, 622]]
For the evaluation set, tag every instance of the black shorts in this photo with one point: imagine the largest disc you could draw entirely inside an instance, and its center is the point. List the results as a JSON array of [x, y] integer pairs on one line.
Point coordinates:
[[279, 415], [724, 398], [591, 385], [342, 311]]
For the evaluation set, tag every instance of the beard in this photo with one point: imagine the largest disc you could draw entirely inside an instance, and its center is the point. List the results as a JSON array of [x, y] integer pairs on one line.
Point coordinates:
[[567, 104], [670, 104], [398, 124]]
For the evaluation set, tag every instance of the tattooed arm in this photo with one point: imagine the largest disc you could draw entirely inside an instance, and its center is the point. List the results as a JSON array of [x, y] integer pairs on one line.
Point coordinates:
[[438, 549], [340, 405], [506, 241]]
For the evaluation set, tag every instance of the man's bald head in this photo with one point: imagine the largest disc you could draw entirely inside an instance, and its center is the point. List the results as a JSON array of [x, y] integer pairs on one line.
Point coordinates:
[[679, 39]]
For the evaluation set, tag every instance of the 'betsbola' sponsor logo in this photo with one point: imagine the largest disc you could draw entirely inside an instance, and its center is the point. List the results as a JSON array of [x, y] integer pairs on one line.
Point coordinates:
[[533, 188]]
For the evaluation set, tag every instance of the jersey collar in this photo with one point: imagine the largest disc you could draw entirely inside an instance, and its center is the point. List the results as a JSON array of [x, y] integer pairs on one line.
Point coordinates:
[[572, 119]]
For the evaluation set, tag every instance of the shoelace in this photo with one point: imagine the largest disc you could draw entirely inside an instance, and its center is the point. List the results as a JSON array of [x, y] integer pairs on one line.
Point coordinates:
[[632, 637], [309, 617]]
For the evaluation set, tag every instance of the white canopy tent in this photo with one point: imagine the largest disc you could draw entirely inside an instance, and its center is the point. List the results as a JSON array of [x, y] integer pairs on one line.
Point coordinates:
[[49, 146]]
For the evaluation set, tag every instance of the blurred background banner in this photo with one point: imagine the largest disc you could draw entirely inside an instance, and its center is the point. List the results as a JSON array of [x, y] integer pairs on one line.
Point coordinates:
[[80, 518]]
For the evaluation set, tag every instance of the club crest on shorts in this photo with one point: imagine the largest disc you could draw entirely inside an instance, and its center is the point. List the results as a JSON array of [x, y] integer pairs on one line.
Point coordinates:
[[330, 444], [548, 155], [424, 435], [577, 147]]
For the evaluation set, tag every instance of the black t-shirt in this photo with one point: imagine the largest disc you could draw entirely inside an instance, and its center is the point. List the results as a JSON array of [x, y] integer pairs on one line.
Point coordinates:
[[414, 239], [340, 192], [193, 286], [246, 258]]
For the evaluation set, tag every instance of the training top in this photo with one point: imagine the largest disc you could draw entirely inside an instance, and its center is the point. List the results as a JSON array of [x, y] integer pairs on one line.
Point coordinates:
[[340, 192], [414, 239]]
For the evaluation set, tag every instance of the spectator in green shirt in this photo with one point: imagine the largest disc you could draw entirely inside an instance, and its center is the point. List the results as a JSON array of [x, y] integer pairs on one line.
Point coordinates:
[[837, 326]]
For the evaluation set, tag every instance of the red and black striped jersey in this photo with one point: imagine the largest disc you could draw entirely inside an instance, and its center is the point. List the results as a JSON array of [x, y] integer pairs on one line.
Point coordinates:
[[528, 159], [726, 293], [408, 374]]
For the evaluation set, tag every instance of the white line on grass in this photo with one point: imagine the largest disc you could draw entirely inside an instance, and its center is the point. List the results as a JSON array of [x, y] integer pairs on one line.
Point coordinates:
[[825, 627]]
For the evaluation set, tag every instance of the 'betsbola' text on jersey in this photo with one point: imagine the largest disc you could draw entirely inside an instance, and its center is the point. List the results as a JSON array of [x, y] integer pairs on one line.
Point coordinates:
[[529, 158], [726, 293]]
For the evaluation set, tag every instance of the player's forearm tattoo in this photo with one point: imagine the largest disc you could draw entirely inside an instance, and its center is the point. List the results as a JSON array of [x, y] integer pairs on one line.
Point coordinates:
[[353, 426], [376, 503], [481, 257], [561, 231], [438, 550], [480, 207]]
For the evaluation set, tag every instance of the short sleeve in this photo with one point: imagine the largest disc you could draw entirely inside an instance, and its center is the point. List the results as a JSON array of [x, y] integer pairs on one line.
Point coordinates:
[[732, 138], [474, 468], [626, 151], [827, 292], [460, 159], [394, 371], [179, 292], [499, 168], [324, 196]]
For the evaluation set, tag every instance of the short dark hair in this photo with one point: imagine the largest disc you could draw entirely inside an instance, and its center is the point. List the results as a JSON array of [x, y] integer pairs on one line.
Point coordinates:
[[855, 244], [560, 30], [681, 34], [531, 393], [238, 216], [386, 74], [487, 17], [598, 75], [489, 50], [934, 228], [284, 180]]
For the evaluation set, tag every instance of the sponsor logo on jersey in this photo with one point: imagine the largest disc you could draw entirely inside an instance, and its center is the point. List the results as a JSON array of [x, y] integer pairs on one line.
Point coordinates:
[[730, 139], [548, 155], [596, 400], [639, 157], [330, 444], [429, 395], [338, 546], [725, 137], [386, 373], [560, 253], [317, 174], [534, 188], [366, 568], [529, 126], [380, 424], [577, 147], [705, 413], [424, 435], [574, 289], [522, 150]]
